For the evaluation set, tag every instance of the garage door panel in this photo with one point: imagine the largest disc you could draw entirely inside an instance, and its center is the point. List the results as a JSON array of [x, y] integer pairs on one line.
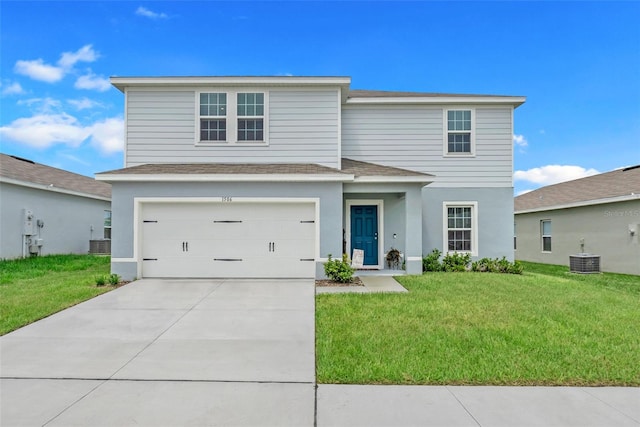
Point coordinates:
[[228, 239]]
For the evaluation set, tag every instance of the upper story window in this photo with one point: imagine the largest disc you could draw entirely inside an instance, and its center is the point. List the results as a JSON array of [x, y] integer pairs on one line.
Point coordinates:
[[459, 135], [232, 117], [213, 121], [250, 117]]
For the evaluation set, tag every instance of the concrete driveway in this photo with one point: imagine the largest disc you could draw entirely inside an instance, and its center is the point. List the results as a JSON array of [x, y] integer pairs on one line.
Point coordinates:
[[167, 352]]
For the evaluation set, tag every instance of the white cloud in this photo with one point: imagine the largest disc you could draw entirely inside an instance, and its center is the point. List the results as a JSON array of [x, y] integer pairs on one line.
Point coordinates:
[[13, 89], [83, 103], [108, 135], [92, 81], [42, 105], [38, 70], [46, 130], [521, 192], [85, 54], [553, 174], [143, 11], [520, 141]]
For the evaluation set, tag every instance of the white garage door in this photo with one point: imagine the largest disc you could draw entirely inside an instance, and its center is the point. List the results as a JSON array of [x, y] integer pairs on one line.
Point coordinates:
[[235, 239]]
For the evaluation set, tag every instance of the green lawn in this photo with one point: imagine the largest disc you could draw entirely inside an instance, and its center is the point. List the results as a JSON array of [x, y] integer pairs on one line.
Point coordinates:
[[33, 288], [546, 327]]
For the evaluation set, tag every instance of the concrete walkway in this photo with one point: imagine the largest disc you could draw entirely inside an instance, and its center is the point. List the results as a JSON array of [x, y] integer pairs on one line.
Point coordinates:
[[371, 284]]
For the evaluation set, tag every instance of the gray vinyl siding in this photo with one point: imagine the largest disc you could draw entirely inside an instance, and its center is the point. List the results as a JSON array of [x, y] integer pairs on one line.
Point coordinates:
[[412, 137], [303, 128]]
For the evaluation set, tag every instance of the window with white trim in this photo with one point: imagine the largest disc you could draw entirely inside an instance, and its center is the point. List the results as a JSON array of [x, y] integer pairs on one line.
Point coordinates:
[[234, 116], [545, 235], [107, 225], [250, 117], [460, 227], [459, 135], [213, 117]]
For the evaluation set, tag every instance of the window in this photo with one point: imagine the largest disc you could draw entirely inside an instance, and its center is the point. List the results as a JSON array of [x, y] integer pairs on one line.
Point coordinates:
[[545, 232], [231, 117], [213, 122], [459, 135], [107, 224], [460, 227], [250, 117]]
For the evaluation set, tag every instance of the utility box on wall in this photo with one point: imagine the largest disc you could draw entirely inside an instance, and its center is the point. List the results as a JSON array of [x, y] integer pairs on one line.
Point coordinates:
[[28, 222]]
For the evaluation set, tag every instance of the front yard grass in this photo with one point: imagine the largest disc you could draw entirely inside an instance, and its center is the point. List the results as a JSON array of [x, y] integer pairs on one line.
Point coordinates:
[[33, 288], [545, 327]]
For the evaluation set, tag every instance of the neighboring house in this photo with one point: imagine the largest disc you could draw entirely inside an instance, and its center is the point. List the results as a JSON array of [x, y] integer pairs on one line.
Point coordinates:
[[599, 215], [44, 210], [268, 176]]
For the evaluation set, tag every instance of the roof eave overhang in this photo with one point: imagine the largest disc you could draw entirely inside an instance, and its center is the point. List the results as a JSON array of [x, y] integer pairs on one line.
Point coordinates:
[[626, 198], [224, 177], [516, 101], [123, 83], [393, 179], [53, 189]]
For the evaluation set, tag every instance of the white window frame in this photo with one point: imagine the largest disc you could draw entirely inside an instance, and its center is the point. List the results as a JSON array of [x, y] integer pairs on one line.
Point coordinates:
[[106, 227], [232, 118], [445, 131], [210, 117], [542, 236], [474, 225]]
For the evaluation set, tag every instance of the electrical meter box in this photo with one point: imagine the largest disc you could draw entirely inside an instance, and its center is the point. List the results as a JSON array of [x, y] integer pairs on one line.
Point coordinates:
[[28, 222]]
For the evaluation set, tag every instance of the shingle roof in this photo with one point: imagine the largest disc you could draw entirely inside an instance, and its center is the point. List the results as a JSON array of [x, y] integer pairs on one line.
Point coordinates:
[[359, 93], [225, 169], [360, 169], [621, 182], [349, 167], [18, 169]]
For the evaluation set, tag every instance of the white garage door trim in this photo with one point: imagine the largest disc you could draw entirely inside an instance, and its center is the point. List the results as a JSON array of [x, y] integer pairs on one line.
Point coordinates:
[[140, 201]]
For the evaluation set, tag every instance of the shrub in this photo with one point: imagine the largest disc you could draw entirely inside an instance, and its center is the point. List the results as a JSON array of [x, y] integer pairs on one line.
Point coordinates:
[[114, 279], [339, 270], [101, 280], [488, 265], [431, 262], [453, 262]]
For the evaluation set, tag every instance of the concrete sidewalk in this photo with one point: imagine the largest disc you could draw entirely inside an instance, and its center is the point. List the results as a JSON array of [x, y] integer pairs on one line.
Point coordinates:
[[371, 284], [371, 406]]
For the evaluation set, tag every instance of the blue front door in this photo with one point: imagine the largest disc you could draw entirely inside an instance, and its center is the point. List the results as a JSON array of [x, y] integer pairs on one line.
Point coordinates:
[[364, 232]]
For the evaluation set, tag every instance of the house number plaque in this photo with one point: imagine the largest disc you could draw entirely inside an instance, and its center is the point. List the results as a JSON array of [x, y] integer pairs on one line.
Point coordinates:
[[227, 199]]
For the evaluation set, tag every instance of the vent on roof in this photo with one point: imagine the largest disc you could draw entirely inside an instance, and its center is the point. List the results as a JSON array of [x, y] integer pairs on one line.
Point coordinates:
[[631, 168], [23, 159], [584, 263]]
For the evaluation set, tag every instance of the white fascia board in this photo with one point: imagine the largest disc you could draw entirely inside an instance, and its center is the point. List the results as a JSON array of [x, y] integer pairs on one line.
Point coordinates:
[[53, 189], [393, 179], [224, 178], [124, 82], [511, 100], [617, 199]]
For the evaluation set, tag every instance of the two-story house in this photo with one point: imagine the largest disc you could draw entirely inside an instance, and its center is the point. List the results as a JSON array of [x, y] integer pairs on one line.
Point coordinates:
[[268, 176]]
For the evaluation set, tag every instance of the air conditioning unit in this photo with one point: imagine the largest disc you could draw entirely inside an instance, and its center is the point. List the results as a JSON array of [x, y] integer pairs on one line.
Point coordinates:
[[584, 263], [100, 246]]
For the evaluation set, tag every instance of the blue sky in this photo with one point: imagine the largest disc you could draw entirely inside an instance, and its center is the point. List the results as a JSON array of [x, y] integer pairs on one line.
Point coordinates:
[[578, 64]]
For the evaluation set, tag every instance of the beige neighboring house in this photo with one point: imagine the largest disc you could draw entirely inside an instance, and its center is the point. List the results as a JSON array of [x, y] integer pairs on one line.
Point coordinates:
[[45, 210], [598, 215]]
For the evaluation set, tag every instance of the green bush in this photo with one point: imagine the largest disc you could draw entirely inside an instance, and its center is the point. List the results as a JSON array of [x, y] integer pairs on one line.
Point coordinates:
[[339, 270], [101, 280], [488, 265], [114, 279], [454, 261], [431, 262]]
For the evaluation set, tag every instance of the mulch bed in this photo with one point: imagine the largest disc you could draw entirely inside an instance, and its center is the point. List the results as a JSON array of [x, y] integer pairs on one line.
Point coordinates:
[[324, 283]]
